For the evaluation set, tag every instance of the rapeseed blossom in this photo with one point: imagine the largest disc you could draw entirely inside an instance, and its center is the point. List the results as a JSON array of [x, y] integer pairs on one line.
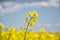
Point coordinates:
[[26, 20], [31, 23], [42, 30], [30, 35], [33, 14], [1, 25]]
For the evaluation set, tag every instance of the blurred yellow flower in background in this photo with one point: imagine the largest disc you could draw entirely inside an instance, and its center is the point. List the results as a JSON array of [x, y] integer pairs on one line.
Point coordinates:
[[12, 29], [23, 29], [31, 31], [42, 30], [1, 25]]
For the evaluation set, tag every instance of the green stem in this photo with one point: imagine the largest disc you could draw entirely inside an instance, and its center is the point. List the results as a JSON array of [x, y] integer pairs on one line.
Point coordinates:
[[27, 29]]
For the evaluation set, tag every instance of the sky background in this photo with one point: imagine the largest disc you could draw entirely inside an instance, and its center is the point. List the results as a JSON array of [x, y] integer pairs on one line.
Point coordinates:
[[13, 13]]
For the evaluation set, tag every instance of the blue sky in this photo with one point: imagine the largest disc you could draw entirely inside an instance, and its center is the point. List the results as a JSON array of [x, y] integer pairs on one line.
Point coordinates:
[[13, 13]]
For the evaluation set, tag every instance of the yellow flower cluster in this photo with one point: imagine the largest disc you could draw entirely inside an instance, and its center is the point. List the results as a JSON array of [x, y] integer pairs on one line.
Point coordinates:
[[13, 34], [33, 14]]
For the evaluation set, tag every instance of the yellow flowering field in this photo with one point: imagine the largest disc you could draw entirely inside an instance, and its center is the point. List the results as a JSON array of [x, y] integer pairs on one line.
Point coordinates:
[[25, 34]]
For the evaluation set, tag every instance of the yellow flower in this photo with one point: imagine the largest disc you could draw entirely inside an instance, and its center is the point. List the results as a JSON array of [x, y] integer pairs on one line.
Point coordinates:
[[23, 29], [51, 35], [33, 14], [31, 31], [31, 23], [12, 29], [26, 20], [30, 39], [1, 25], [42, 30]]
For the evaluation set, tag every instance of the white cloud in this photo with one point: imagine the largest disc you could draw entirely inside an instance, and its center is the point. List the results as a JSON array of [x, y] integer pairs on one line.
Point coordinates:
[[44, 4], [58, 24], [54, 3], [46, 25], [11, 7]]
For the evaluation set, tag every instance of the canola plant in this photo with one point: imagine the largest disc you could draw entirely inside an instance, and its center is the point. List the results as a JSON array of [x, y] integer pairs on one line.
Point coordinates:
[[25, 34]]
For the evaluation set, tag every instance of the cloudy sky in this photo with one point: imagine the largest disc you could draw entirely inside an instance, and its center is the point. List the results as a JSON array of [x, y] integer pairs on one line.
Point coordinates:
[[13, 13]]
